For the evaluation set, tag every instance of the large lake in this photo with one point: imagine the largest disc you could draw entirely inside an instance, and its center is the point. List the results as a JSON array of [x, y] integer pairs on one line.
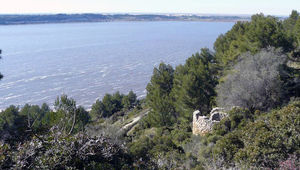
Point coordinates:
[[87, 60]]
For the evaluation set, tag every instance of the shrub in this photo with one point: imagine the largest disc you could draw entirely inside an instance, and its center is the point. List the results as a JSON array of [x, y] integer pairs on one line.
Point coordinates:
[[272, 137], [254, 82], [12, 125], [58, 151], [238, 117], [112, 104]]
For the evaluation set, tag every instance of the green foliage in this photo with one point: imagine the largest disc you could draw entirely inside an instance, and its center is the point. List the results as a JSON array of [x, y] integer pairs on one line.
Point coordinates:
[[290, 22], [296, 36], [82, 117], [112, 104], [175, 94], [223, 142], [34, 115], [228, 146], [97, 110], [261, 32], [12, 125], [290, 26], [68, 117], [161, 81], [159, 96], [129, 101], [263, 143], [51, 118], [8, 117], [194, 84], [18, 125], [250, 75], [297, 31], [181, 133], [238, 118], [158, 150]]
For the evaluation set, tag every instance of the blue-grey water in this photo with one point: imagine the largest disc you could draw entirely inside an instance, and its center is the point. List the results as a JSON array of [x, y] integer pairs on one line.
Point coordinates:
[[87, 60]]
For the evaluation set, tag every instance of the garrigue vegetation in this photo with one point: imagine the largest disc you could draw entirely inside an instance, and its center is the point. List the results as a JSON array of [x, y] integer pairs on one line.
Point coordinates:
[[254, 82], [253, 72]]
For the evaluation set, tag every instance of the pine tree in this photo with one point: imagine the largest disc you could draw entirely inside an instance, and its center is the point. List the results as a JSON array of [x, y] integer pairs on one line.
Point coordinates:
[[261, 32], [297, 31], [194, 84], [159, 98], [98, 110], [129, 101]]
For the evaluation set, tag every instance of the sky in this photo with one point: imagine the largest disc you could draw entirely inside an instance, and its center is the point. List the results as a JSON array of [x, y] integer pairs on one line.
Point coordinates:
[[272, 7]]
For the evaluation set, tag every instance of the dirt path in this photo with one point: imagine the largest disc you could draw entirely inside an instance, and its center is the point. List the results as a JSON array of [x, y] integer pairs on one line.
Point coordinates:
[[134, 121]]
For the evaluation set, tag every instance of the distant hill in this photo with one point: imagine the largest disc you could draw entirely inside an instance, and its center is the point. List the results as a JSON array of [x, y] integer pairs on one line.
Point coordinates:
[[68, 18]]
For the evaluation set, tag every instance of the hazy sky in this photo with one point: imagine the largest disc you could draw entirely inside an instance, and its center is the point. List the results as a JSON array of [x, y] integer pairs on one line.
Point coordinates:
[[275, 7]]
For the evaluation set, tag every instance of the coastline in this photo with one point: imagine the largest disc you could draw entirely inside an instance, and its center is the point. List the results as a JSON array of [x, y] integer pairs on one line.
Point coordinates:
[[95, 18]]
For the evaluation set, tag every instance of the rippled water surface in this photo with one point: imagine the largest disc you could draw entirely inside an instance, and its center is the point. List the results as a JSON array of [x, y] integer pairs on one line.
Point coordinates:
[[87, 60]]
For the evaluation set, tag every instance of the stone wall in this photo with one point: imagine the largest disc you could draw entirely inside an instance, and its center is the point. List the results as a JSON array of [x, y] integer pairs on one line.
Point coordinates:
[[203, 124]]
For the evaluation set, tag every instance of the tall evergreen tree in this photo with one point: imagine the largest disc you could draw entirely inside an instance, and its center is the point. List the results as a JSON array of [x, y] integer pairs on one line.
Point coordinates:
[[261, 32], [297, 32], [194, 84], [34, 116], [158, 96], [98, 110], [129, 101], [290, 22]]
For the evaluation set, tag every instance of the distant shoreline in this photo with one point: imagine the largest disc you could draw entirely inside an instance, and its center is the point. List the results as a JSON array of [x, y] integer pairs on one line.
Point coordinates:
[[92, 18]]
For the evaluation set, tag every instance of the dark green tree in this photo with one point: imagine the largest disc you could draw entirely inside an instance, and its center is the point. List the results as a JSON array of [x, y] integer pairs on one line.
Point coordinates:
[[159, 96], [98, 110], [34, 116], [297, 32], [117, 102], [230, 45], [194, 84], [83, 118], [290, 22], [8, 117], [12, 125], [261, 32], [111, 104], [70, 118], [129, 101], [292, 26]]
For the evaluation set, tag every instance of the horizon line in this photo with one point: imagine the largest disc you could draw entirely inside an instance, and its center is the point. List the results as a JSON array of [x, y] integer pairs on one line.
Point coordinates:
[[144, 13]]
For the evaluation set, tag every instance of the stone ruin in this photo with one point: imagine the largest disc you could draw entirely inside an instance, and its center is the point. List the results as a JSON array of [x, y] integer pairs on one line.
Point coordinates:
[[203, 124]]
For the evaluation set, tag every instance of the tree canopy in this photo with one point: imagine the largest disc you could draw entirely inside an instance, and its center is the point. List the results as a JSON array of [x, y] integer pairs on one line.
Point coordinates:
[[194, 84], [159, 96], [259, 33]]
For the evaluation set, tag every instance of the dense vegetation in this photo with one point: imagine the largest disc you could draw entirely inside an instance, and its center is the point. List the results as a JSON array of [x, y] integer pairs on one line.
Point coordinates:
[[253, 73]]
